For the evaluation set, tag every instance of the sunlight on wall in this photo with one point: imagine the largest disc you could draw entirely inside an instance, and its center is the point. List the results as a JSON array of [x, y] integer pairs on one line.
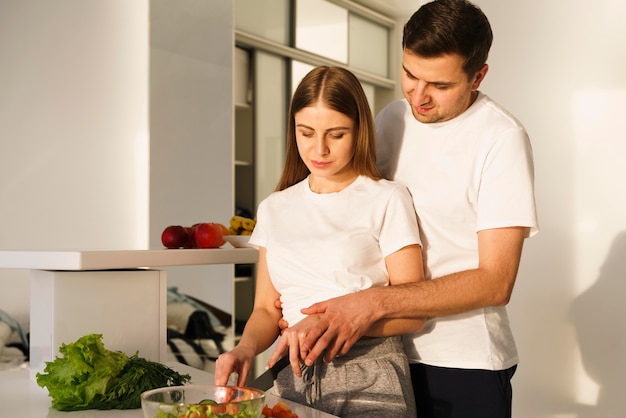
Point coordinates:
[[597, 116], [142, 190], [586, 389]]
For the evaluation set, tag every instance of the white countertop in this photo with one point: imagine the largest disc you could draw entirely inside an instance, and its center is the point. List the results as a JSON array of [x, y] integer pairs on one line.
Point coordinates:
[[123, 259], [21, 397]]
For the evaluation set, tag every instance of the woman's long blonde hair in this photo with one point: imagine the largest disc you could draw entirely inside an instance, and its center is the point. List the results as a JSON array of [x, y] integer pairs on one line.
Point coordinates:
[[340, 90]]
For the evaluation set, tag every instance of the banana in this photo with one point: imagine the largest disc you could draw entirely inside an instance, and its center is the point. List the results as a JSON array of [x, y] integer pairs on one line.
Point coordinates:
[[240, 225], [248, 224], [236, 221]]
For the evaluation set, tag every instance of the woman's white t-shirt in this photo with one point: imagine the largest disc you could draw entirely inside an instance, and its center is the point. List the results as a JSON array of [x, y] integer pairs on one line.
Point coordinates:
[[320, 246]]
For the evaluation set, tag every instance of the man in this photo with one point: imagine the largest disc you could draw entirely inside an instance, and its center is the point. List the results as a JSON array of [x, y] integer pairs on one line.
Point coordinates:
[[468, 164]]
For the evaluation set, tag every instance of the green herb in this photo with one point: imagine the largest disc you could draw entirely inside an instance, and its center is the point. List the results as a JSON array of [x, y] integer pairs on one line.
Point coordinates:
[[88, 376], [204, 410]]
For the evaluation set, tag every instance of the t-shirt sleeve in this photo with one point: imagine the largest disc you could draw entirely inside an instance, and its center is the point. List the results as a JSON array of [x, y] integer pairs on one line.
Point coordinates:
[[259, 234], [507, 196], [399, 227]]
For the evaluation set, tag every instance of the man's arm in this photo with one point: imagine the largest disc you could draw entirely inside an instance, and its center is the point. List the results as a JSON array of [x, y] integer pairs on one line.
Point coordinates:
[[403, 266], [342, 321]]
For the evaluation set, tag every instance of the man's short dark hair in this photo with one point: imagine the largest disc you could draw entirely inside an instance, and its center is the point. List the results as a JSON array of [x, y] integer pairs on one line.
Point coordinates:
[[450, 27]]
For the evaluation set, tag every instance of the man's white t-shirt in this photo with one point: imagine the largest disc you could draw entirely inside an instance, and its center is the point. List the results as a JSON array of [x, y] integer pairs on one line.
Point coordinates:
[[324, 245], [468, 174]]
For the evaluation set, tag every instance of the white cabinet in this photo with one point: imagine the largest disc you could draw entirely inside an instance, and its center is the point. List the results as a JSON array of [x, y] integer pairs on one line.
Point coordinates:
[[126, 306], [245, 196], [245, 202], [260, 125]]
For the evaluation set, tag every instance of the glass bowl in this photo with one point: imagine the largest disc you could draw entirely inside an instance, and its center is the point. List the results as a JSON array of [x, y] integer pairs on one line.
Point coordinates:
[[207, 401]]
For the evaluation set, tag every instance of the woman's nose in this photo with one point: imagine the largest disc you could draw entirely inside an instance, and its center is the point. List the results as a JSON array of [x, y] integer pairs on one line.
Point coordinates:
[[320, 147]]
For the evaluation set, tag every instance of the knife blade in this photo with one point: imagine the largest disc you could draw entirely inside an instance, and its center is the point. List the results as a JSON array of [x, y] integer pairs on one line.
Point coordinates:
[[266, 379]]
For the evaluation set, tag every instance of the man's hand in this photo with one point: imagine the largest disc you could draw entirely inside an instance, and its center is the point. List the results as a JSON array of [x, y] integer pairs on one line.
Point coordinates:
[[282, 324], [339, 323]]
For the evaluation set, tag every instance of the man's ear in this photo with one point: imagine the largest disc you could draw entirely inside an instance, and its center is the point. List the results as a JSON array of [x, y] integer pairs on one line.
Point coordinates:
[[480, 76]]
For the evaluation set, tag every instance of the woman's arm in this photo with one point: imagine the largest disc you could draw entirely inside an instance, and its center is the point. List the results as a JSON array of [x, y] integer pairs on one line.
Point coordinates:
[[260, 332], [404, 266], [261, 329]]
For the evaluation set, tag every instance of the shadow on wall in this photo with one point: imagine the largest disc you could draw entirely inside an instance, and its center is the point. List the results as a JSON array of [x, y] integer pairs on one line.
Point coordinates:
[[599, 317]]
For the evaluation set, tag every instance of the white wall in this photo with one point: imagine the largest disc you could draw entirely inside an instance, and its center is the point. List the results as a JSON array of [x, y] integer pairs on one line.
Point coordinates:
[[73, 130], [559, 66]]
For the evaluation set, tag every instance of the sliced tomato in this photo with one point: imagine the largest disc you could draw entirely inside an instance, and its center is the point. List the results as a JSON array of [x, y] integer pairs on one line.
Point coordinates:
[[282, 410]]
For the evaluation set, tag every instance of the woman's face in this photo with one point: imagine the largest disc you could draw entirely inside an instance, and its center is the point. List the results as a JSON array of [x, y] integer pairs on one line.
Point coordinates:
[[325, 140]]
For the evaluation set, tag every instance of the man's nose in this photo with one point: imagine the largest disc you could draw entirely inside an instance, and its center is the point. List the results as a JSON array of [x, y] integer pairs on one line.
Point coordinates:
[[420, 94]]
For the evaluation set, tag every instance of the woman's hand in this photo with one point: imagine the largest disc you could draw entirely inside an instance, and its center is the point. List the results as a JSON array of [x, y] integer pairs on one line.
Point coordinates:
[[239, 360], [292, 342]]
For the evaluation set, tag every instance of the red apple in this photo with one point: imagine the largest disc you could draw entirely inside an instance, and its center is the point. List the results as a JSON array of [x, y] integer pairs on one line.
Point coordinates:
[[208, 235], [224, 232], [174, 236], [191, 240]]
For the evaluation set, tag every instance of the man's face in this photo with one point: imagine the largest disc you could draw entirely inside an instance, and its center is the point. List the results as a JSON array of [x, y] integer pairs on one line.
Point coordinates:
[[437, 88]]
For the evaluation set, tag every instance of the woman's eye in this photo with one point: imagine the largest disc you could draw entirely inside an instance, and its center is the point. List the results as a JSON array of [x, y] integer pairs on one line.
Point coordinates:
[[336, 136], [306, 134]]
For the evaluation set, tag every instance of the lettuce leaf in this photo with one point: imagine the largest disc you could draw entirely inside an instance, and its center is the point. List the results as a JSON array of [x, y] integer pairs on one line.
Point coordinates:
[[88, 376]]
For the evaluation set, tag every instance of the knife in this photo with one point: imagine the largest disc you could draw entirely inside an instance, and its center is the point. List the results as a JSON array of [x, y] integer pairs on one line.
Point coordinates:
[[266, 379]]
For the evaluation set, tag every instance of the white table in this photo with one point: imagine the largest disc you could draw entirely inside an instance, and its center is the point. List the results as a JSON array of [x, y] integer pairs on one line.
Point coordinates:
[[123, 259], [113, 293], [22, 398]]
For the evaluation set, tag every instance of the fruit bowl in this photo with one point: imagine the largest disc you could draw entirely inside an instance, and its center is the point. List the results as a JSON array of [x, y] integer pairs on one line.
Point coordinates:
[[206, 401], [238, 241]]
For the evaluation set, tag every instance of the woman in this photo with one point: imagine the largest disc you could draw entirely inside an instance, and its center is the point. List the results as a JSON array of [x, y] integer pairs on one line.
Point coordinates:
[[333, 226]]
